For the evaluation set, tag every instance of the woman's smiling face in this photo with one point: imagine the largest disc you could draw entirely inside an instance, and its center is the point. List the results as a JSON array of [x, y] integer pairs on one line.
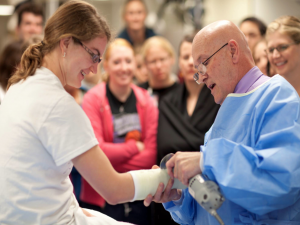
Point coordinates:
[[78, 62], [120, 65], [286, 62]]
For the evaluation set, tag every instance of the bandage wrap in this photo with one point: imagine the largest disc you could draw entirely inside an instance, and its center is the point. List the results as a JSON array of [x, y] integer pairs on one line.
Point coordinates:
[[147, 181]]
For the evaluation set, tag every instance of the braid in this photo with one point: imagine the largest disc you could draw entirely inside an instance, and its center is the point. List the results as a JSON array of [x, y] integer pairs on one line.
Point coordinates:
[[30, 61]]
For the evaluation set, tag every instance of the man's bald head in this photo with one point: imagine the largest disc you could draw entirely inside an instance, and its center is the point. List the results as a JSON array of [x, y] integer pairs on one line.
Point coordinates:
[[219, 33], [227, 66]]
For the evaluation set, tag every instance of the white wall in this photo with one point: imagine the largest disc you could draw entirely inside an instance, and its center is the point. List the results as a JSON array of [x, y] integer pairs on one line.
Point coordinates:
[[236, 10], [269, 10]]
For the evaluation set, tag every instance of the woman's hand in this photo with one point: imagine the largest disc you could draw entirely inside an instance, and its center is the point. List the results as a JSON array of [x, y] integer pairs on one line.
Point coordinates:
[[163, 196]]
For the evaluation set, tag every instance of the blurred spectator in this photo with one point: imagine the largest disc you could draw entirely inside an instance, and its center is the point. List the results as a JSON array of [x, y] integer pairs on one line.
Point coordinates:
[[124, 119], [134, 14], [90, 80], [283, 37], [261, 59], [159, 57], [254, 29], [141, 73], [10, 59], [185, 115], [30, 20]]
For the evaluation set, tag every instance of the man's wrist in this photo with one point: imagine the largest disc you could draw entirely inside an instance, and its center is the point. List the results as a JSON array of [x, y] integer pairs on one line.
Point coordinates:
[[201, 162], [180, 200]]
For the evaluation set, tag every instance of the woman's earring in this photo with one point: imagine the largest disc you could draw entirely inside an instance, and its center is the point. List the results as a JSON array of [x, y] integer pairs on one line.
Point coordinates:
[[64, 55]]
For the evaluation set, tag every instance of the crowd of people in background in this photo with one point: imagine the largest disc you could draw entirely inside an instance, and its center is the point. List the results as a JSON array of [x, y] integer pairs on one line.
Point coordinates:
[[137, 70]]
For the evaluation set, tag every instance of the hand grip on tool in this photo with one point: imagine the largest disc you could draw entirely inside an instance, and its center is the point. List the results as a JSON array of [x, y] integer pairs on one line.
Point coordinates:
[[206, 193]]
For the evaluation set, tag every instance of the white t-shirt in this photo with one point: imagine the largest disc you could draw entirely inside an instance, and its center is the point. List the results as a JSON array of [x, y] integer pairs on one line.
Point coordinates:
[[42, 129]]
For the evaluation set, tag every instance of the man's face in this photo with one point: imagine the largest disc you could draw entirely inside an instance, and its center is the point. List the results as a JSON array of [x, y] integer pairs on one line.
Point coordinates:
[[251, 32], [218, 77], [30, 24]]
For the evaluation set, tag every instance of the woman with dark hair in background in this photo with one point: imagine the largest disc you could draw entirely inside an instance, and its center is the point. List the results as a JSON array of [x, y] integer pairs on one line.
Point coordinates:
[[9, 60], [44, 131], [186, 114], [261, 58], [254, 30]]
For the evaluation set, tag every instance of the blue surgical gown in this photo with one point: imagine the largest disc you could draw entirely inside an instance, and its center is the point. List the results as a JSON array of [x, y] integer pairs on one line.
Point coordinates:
[[252, 152]]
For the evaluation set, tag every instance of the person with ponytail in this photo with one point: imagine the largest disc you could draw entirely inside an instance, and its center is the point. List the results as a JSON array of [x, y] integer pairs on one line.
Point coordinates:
[[44, 132]]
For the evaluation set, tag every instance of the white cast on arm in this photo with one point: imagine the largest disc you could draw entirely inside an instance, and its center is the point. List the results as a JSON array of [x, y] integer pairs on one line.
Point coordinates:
[[147, 181]]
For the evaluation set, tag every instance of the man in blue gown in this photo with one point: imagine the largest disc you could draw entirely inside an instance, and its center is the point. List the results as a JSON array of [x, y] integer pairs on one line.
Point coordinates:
[[252, 150]]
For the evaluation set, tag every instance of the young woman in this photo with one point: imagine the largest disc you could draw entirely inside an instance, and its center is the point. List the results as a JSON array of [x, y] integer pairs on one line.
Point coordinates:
[[283, 37], [134, 15], [141, 73], [159, 57], [185, 115], [124, 119], [44, 131]]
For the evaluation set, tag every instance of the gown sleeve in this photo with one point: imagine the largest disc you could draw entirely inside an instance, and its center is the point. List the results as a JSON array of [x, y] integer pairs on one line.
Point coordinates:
[[185, 212], [264, 175]]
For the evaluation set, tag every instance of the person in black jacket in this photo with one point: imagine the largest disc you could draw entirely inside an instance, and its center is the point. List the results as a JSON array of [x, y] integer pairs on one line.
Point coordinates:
[[186, 114]]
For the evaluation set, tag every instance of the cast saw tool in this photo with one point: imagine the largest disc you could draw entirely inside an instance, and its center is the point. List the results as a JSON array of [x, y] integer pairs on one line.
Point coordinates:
[[205, 192]]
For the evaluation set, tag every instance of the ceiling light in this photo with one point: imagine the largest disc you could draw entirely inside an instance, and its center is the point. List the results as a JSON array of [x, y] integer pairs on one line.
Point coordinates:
[[6, 10]]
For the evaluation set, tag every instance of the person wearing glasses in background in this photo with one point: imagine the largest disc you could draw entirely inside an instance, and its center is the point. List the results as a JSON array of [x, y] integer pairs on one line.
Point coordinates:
[[44, 132], [283, 50], [159, 57], [252, 149]]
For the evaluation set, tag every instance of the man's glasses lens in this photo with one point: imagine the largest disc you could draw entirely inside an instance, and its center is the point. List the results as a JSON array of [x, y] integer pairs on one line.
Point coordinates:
[[196, 78]]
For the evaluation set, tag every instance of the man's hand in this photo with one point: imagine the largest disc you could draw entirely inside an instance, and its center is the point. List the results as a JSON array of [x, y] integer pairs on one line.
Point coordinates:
[[163, 196], [186, 165]]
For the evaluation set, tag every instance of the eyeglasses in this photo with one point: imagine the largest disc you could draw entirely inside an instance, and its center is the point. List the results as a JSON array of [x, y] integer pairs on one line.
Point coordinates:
[[279, 48], [162, 60], [95, 57], [202, 67]]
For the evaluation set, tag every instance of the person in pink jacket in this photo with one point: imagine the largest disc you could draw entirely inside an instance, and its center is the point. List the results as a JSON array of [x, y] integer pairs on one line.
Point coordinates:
[[124, 118]]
